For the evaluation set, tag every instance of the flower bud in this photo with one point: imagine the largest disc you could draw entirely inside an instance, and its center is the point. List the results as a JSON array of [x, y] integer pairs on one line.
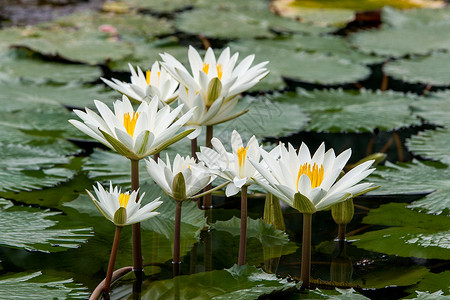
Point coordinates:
[[120, 216], [342, 212], [303, 204], [179, 187], [214, 90]]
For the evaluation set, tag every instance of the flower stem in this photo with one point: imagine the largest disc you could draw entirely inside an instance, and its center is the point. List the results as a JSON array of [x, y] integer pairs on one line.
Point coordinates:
[[136, 230], [112, 261], [207, 199], [243, 240], [341, 232], [176, 240], [306, 251], [194, 149]]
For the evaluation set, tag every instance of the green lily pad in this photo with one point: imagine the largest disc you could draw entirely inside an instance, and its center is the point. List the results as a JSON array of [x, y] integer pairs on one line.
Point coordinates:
[[395, 17], [426, 70], [162, 6], [426, 178], [433, 283], [347, 294], [38, 286], [430, 296], [41, 71], [402, 41], [30, 229], [219, 284], [340, 111], [428, 238], [434, 108], [431, 144], [392, 276], [313, 68]]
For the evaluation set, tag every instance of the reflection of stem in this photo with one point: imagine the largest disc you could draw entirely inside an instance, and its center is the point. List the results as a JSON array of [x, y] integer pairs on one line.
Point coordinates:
[[207, 199], [193, 262], [116, 274], [243, 239], [136, 230], [398, 143], [194, 149], [207, 242], [176, 286], [112, 260], [341, 232], [306, 251], [176, 240]]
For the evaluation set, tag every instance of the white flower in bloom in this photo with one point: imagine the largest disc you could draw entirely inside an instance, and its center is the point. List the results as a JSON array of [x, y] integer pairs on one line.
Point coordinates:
[[234, 166], [194, 176], [312, 179], [143, 87], [134, 134], [122, 208]]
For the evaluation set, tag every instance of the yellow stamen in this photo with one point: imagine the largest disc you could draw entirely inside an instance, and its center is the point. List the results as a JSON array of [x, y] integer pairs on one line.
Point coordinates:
[[123, 200], [241, 153], [205, 68], [147, 76], [130, 123], [315, 174], [219, 71]]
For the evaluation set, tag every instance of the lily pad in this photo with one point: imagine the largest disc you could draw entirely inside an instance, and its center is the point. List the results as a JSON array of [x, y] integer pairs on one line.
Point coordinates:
[[426, 178], [434, 108], [392, 276], [30, 229], [430, 296], [426, 70], [38, 286], [427, 238], [162, 6], [395, 17], [219, 284], [340, 111], [433, 283], [431, 144]]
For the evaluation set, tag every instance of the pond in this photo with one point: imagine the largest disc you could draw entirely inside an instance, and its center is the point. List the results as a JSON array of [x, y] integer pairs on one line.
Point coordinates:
[[378, 87]]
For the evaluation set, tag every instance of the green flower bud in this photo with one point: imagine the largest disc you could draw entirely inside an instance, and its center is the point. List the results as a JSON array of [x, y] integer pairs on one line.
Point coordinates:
[[214, 90], [272, 212], [120, 216], [179, 187], [303, 204], [343, 212]]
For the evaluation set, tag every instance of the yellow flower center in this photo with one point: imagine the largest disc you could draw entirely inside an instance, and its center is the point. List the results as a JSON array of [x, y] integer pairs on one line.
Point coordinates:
[[241, 153], [218, 67], [130, 123], [314, 172], [123, 200], [147, 76]]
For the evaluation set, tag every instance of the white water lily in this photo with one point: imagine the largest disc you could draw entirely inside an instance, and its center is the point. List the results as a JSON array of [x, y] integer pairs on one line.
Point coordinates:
[[122, 208], [134, 134], [194, 177], [233, 167], [143, 87], [299, 178]]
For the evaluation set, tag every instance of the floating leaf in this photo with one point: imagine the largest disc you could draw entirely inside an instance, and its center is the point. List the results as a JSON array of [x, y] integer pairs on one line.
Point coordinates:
[[431, 144], [219, 284], [392, 276], [414, 17], [434, 108], [428, 296], [38, 286], [426, 70], [433, 283], [416, 234], [416, 177], [340, 111], [31, 229], [162, 6]]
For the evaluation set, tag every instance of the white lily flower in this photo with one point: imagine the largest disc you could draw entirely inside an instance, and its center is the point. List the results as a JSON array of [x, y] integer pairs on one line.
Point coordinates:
[[181, 180], [134, 134], [213, 84], [300, 178], [122, 208], [233, 167], [143, 87]]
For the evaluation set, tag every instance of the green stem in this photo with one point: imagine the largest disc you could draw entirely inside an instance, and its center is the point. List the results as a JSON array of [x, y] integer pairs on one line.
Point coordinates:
[[306, 251], [243, 239], [176, 240], [207, 199], [112, 261], [194, 149], [136, 229]]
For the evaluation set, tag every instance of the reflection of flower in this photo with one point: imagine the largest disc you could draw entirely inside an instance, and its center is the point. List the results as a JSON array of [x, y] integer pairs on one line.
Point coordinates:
[[234, 166], [155, 82], [134, 134], [122, 208], [182, 180], [308, 184]]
